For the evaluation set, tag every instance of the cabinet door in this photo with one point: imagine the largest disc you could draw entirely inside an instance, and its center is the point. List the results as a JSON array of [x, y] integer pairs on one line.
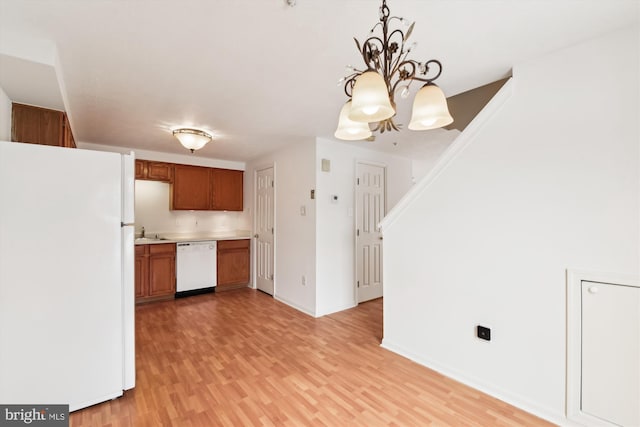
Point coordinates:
[[141, 166], [36, 125], [159, 171], [162, 269], [233, 263], [190, 189], [141, 271], [67, 135], [227, 189], [162, 274]]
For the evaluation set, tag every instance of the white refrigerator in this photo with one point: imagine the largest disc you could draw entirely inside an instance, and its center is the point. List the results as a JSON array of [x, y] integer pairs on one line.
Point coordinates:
[[66, 275]]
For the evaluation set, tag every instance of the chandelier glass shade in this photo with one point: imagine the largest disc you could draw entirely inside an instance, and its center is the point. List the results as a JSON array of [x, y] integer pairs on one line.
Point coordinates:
[[370, 101], [192, 139], [389, 70], [350, 130], [429, 109]]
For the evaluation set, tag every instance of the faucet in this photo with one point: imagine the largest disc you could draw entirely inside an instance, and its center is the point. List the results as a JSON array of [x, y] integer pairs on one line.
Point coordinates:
[[142, 233]]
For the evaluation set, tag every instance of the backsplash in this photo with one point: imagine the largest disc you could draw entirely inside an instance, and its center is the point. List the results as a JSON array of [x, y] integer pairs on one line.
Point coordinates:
[[152, 213]]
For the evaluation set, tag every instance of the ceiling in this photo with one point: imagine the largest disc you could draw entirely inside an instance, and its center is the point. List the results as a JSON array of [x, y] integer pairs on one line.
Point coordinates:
[[260, 74]]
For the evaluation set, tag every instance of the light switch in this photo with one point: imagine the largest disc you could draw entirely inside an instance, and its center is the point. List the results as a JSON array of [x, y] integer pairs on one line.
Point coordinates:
[[303, 210], [326, 165]]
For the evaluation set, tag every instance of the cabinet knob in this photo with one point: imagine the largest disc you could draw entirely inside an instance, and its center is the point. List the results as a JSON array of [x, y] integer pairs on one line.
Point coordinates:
[[593, 289]]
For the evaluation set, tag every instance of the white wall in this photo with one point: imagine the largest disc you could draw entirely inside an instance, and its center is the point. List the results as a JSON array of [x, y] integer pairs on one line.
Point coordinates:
[[320, 244], [335, 223], [152, 211], [550, 183], [152, 198], [5, 116], [184, 159], [294, 234]]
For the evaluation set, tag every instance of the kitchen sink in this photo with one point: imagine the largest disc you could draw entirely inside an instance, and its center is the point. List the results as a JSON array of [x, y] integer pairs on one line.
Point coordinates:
[[149, 239]]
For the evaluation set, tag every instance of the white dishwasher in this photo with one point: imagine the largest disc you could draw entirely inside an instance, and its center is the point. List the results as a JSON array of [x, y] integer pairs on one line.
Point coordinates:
[[196, 268]]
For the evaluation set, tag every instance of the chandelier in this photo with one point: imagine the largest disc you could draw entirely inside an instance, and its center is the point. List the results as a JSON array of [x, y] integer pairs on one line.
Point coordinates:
[[372, 92]]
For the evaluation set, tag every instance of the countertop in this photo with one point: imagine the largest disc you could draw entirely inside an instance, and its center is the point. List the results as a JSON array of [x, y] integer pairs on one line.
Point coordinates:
[[192, 237]]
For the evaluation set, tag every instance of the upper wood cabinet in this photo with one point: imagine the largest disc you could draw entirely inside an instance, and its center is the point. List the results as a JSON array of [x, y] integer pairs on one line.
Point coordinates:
[[201, 188], [67, 136], [154, 171], [227, 188], [40, 126], [190, 189]]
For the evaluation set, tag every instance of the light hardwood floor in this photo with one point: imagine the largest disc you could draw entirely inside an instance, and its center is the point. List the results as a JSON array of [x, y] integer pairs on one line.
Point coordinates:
[[240, 358]]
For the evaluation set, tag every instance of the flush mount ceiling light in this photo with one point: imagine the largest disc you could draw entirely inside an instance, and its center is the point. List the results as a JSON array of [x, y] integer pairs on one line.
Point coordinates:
[[371, 92], [192, 139]]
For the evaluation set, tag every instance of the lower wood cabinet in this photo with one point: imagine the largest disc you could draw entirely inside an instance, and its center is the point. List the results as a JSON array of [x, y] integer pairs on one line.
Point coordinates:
[[155, 272], [233, 264]]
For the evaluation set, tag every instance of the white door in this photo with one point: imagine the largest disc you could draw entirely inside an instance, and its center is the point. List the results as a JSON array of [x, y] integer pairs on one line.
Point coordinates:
[[265, 210], [370, 209], [611, 352]]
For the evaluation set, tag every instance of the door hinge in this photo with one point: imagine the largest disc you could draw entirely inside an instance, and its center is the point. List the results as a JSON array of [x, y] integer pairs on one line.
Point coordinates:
[[358, 283], [358, 232], [272, 230], [357, 181], [271, 277]]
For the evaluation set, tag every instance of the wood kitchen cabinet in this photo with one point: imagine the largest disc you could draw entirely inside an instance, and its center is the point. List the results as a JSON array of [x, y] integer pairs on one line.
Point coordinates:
[[142, 271], [155, 272], [154, 171], [227, 186], [233, 264], [38, 125], [201, 188], [190, 189], [67, 136]]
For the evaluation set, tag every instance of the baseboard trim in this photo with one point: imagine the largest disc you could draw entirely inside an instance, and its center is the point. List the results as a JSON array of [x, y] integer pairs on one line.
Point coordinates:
[[489, 389], [294, 305]]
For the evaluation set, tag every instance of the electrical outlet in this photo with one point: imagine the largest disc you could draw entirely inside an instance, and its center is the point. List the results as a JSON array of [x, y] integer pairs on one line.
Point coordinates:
[[304, 280], [483, 333]]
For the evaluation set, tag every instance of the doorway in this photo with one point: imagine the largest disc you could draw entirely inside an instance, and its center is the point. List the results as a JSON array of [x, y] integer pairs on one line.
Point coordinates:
[[264, 229], [370, 208]]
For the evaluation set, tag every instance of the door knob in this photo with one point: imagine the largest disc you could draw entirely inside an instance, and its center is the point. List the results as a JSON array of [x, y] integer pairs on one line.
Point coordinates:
[[256, 236]]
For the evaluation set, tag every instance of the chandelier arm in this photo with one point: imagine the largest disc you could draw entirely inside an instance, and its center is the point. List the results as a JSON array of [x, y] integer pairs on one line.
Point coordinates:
[[397, 30], [348, 85], [368, 53], [400, 59], [436, 62], [410, 74], [391, 62]]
